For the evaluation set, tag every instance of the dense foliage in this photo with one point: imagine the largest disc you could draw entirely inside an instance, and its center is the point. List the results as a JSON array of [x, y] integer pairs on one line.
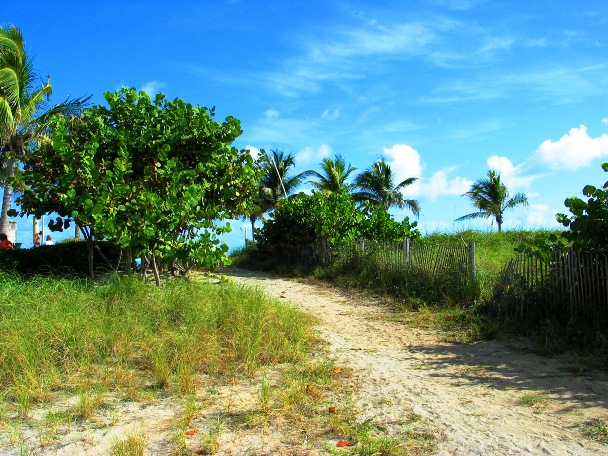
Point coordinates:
[[154, 176], [63, 259], [588, 222], [334, 217]]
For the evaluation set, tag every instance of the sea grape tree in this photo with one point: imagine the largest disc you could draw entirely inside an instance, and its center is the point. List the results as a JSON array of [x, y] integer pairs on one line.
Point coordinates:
[[588, 222], [155, 176]]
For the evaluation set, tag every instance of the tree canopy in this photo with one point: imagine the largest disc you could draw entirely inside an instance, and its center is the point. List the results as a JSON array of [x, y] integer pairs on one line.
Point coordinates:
[[332, 217], [19, 101], [275, 184], [334, 175], [491, 197], [155, 176], [24, 110], [376, 187], [588, 219]]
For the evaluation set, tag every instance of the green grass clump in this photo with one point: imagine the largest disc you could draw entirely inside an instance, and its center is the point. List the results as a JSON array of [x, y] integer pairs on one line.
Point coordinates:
[[596, 430], [57, 334]]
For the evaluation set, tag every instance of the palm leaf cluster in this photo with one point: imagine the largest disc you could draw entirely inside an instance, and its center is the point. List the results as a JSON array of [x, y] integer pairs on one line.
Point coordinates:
[[276, 182], [334, 175], [24, 110], [377, 188], [373, 187], [491, 197]]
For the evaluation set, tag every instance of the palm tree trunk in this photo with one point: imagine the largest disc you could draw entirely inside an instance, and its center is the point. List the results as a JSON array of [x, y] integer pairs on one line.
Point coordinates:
[[252, 220], [8, 196], [35, 230]]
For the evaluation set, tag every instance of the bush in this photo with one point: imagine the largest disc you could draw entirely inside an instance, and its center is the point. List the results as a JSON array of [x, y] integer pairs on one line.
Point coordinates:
[[589, 220], [66, 258], [333, 217]]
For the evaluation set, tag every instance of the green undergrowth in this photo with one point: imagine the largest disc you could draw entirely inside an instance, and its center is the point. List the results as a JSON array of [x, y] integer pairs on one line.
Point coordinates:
[[460, 320], [128, 337]]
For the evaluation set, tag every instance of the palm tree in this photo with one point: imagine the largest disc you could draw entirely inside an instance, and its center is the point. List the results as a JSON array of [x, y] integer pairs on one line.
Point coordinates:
[[377, 188], [24, 113], [18, 103], [334, 177], [491, 197], [276, 183]]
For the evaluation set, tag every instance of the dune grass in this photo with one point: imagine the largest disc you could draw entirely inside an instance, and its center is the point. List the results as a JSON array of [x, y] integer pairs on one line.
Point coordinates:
[[124, 336], [493, 251]]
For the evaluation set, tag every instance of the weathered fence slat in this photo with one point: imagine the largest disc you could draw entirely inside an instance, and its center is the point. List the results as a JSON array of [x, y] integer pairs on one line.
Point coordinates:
[[569, 286]]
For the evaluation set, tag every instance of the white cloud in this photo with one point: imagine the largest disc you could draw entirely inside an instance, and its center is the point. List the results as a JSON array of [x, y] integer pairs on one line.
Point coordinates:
[[540, 215], [153, 87], [405, 162], [573, 150], [510, 175], [605, 121], [309, 155], [439, 184], [375, 40], [254, 151]]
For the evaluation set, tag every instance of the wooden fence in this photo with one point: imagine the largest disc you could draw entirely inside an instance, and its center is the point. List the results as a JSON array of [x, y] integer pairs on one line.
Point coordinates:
[[431, 271], [568, 286]]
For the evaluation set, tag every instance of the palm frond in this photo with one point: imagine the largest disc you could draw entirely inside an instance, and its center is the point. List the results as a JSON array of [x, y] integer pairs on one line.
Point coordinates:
[[474, 215]]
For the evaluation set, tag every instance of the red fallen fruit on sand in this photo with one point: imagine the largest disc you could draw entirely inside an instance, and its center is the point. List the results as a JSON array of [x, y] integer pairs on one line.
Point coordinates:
[[191, 432], [343, 443]]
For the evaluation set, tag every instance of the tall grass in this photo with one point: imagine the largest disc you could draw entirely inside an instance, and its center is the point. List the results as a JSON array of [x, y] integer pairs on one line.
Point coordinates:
[[62, 334], [492, 251]]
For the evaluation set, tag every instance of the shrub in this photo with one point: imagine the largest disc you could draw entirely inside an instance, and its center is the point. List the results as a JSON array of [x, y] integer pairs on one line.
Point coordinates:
[[589, 220], [333, 217], [65, 258]]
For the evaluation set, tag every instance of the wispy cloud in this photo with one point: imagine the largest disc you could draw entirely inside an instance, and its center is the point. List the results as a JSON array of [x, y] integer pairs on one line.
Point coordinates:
[[331, 113], [309, 155], [373, 40], [272, 129], [541, 215], [514, 177], [153, 87], [459, 5], [557, 85]]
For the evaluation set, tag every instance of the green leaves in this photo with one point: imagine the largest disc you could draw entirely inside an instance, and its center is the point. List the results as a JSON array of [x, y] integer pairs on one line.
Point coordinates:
[[306, 219], [138, 172], [589, 220]]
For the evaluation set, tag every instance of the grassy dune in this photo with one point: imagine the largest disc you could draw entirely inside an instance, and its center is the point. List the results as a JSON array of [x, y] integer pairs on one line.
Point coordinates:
[[60, 334]]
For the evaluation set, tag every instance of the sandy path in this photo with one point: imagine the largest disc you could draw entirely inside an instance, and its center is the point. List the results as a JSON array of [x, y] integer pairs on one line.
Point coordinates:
[[469, 391]]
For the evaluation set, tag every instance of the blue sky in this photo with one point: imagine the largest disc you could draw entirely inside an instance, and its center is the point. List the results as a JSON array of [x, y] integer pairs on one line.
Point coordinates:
[[443, 89]]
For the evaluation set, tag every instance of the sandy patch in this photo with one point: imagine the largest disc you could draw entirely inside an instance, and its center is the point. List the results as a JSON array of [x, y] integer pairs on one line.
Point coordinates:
[[471, 392]]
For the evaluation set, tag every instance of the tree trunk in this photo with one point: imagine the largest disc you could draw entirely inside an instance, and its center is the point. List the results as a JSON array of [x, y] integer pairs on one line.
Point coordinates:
[[8, 196], [252, 218], [35, 231], [88, 235], [155, 270]]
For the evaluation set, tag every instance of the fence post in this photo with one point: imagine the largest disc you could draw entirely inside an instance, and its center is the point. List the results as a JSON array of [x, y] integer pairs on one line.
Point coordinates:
[[472, 260], [362, 244], [406, 251]]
